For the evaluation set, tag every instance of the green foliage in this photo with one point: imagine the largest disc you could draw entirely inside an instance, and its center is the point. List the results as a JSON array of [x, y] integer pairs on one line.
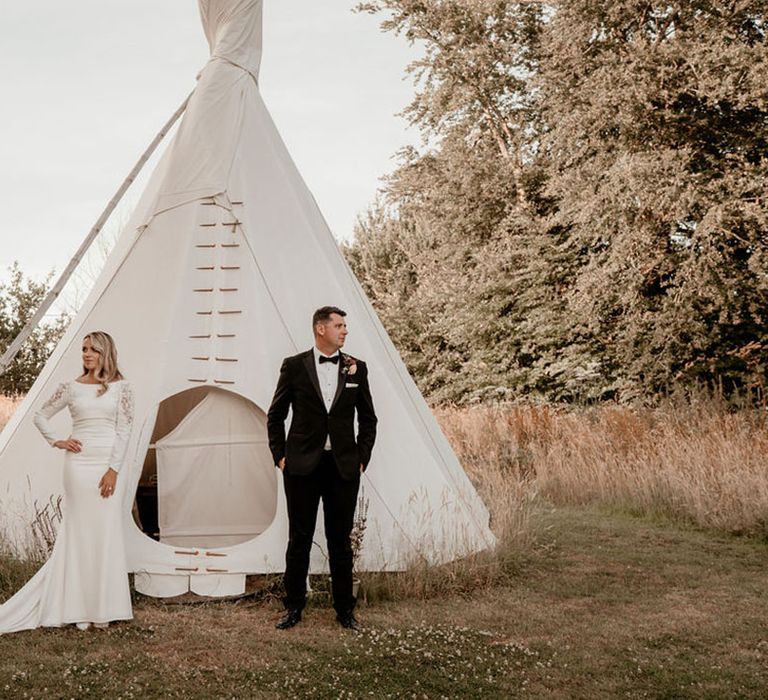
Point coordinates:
[[586, 218], [19, 299], [660, 174]]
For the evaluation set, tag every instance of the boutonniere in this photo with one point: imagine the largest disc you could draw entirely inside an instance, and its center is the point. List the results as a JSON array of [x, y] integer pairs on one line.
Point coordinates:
[[350, 365]]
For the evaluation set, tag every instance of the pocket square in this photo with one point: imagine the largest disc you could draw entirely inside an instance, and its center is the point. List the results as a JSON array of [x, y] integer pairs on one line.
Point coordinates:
[[351, 386]]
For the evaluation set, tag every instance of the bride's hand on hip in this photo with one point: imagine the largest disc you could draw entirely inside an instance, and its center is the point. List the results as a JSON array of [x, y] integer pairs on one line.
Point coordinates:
[[108, 483], [70, 445]]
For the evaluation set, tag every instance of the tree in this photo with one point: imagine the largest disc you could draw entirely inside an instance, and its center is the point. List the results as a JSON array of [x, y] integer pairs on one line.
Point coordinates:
[[656, 144], [586, 217], [456, 213], [19, 298], [473, 78]]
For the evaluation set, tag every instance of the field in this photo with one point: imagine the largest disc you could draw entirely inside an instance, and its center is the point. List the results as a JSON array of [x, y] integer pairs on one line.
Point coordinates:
[[631, 564], [695, 461]]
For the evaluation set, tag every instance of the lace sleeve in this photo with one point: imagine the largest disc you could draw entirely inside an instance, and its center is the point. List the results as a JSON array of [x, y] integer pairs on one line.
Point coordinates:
[[49, 409], [123, 426]]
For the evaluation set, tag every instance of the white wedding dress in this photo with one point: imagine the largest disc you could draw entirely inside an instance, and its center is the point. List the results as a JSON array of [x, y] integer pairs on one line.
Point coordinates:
[[85, 579]]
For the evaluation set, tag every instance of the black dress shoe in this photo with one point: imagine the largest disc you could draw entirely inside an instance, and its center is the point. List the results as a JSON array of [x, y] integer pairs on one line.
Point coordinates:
[[348, 621], [290, 618]]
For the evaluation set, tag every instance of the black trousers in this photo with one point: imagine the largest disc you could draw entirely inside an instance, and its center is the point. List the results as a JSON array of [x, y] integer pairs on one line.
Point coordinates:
[[303, 495]]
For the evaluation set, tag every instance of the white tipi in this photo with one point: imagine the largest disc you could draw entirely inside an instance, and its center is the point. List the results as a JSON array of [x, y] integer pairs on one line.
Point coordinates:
[[212, 282]]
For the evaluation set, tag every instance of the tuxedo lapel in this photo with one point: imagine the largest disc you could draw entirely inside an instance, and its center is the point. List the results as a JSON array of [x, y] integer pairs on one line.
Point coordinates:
[[309, 364], [340, 383]]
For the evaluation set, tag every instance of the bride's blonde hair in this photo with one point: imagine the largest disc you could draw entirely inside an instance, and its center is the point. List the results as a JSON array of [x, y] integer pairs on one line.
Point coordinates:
[[107, 371]]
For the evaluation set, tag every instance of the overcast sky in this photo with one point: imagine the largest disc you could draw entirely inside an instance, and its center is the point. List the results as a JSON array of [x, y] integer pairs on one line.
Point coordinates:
[[86, 84]]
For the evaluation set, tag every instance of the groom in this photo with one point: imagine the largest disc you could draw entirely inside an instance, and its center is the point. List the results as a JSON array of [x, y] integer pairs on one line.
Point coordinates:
[[321, 459]]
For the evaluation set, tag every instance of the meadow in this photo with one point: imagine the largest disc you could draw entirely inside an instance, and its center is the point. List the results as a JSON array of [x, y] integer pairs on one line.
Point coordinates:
[[631, 563], [695, 460]]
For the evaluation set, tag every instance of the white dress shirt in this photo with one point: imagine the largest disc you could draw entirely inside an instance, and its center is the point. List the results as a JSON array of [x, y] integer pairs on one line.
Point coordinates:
[[328, 376]]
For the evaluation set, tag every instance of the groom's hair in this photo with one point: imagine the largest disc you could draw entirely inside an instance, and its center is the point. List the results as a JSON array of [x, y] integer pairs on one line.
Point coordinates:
[[323, 314]]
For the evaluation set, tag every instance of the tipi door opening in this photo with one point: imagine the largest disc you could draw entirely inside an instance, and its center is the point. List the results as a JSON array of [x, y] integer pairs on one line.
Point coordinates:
[[207, 480]]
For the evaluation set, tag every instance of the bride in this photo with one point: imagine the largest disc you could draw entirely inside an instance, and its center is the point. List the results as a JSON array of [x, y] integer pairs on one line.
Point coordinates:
[[85, 580]]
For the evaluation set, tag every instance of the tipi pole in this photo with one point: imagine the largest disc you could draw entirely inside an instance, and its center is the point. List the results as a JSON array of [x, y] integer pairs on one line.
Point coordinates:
[[33, 322]]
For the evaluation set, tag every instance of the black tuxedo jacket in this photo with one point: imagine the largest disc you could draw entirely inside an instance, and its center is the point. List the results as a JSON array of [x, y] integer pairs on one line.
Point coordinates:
[[299, 389]]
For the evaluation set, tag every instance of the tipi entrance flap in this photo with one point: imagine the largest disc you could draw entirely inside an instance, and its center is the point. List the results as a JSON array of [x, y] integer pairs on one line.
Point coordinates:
[[216, 484]]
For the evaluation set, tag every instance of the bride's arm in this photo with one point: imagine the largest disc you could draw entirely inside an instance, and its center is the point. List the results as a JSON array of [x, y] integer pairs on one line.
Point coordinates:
[[124, 425], [49, 409]]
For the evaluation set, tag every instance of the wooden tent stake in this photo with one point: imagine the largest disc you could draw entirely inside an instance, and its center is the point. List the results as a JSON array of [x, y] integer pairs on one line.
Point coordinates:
[[21, 338]]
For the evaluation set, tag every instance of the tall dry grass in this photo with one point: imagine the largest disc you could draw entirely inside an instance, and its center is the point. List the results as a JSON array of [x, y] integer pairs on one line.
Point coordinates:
[[8, 406], [13, 571], [695, 461], [509, 499]]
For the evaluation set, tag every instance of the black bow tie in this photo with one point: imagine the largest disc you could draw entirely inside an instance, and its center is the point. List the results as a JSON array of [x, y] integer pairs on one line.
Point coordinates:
[[334, 359]]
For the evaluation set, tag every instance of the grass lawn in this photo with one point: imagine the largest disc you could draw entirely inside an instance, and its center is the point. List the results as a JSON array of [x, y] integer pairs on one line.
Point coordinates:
[[602, 605]]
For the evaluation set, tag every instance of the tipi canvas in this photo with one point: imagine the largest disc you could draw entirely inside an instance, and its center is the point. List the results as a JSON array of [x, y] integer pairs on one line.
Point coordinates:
[[211, 284]]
